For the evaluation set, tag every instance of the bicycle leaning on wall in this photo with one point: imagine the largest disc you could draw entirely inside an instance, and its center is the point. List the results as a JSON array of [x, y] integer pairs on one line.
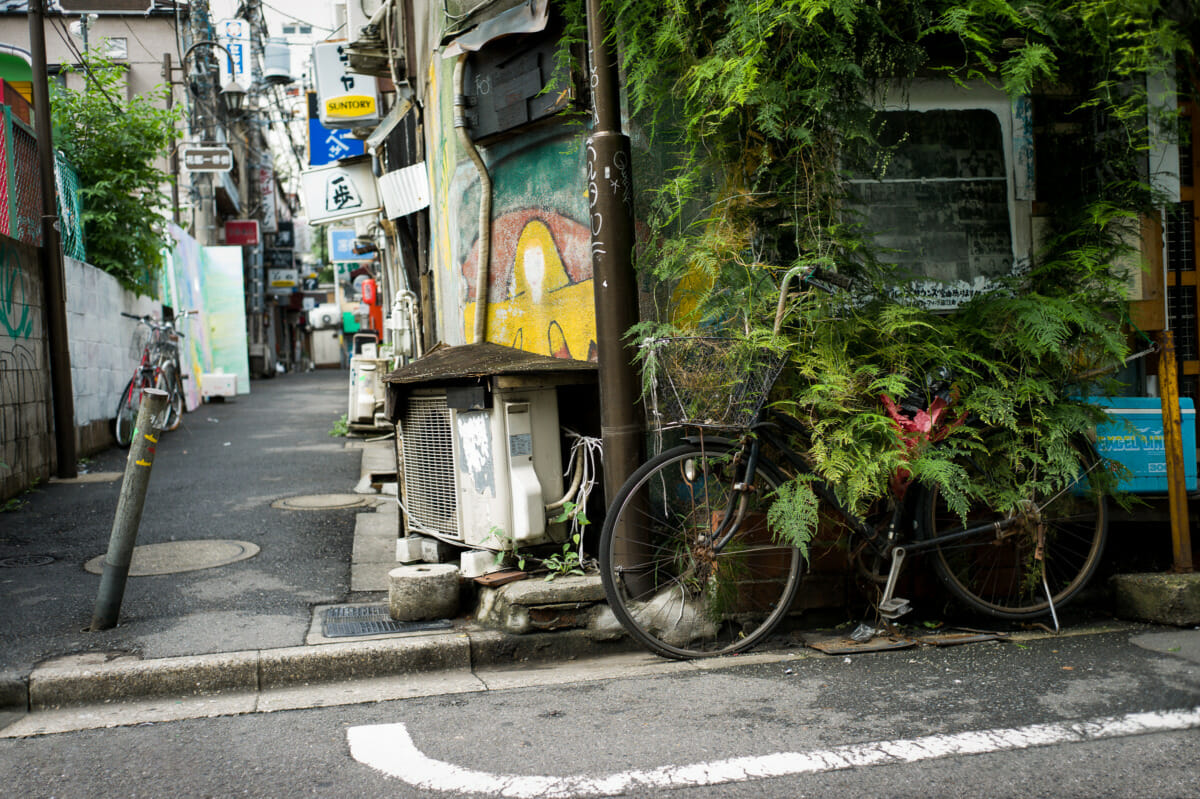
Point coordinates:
[[156, 346], [692, 567]]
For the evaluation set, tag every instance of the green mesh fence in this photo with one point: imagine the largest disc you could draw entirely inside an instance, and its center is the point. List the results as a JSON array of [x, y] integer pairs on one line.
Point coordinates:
[[70, 209]]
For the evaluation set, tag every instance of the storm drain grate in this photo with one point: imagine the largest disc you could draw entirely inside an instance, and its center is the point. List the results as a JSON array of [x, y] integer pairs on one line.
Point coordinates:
[[346, 622]]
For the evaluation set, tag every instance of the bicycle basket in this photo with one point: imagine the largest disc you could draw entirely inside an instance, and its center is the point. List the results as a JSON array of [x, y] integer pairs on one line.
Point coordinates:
[[139, 342], [703, 381]]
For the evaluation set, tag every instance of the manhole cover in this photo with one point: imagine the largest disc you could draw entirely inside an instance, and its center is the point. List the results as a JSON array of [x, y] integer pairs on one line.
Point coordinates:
[[326, 502], [173, 557], [352, 620], [22, 561]]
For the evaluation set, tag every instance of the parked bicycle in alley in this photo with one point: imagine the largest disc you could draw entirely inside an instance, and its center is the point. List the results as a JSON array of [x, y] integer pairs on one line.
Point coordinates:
[[156, 346]]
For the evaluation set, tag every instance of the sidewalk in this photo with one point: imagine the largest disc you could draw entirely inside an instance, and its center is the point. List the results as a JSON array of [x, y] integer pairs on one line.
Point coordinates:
[[252, 512]]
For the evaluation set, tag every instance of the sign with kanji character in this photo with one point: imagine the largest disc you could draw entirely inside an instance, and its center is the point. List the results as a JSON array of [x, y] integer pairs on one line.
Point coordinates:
[[235, 35], [242, 231], [345, 99], [340, 191], [326, 145], [206, 158]]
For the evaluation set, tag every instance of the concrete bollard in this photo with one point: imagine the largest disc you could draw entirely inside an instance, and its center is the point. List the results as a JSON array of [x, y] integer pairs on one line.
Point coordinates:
[[151, 416], [423, 591]]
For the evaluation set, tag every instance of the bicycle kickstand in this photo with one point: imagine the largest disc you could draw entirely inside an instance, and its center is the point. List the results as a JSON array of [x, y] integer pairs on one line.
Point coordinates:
[[892, 607]]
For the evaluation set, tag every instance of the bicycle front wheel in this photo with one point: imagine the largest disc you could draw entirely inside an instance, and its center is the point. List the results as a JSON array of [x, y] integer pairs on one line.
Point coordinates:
[[671, 588], [1050, 549], [127, 413], [168, 381]]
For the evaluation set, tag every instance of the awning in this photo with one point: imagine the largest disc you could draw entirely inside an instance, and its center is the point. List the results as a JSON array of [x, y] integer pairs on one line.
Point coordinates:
[[403, 104], [530, 17]]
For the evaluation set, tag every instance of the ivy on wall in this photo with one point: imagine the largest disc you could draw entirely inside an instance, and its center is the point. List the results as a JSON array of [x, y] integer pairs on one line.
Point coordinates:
[[753, 107]]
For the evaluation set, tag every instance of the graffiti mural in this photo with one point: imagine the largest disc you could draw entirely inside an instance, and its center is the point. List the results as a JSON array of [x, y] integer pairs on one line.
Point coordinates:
[[540, 295], [15, 309]]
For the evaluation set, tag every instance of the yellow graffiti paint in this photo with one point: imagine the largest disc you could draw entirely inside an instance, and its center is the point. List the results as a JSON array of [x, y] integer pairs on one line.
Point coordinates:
[[545, 312], [142, 463], [151, 439]]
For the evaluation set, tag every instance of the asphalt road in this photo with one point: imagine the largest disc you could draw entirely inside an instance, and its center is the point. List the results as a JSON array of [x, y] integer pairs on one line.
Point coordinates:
[[587, 735]]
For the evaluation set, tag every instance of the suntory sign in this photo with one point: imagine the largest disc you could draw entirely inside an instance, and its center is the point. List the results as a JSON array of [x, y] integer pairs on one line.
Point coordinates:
[[345, 99]]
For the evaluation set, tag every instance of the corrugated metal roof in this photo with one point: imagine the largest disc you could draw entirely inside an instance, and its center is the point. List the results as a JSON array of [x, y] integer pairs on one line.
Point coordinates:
[[481, 360]]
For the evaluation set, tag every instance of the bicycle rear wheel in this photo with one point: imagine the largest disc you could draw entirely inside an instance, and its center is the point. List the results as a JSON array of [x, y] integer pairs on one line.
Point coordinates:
[[665, 581], [127, 412], [168, 381], [1002, 574]]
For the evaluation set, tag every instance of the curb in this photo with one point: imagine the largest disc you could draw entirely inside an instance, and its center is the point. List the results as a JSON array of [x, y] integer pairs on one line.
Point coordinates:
[[101, 677]]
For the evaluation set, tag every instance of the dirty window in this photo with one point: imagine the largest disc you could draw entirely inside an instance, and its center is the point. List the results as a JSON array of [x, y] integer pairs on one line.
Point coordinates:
[[933, 199]]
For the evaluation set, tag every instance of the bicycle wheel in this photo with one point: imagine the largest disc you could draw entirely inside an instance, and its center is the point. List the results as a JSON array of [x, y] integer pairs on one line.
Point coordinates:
[[168, 380], [1001, 574], [664, 580], [127, 413]]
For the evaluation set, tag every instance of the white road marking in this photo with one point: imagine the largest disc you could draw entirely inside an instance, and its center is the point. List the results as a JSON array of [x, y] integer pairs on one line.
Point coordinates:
[[389, 748]]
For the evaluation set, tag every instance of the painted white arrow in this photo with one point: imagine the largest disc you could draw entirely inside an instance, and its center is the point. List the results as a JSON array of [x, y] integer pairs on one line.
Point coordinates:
[[389, 748]]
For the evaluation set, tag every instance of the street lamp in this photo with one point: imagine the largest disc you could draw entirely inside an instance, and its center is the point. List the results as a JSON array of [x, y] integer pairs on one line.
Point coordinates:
[[232, 93]]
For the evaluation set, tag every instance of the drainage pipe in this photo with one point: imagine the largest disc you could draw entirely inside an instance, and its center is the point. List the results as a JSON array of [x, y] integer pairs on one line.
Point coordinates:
[[485, 204]]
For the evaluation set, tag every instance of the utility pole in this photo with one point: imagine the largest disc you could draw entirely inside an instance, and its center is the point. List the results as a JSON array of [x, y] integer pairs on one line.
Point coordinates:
[[53, 277], [610, 200]]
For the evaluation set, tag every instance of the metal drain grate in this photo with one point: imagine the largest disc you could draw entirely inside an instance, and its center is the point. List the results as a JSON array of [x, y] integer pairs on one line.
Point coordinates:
[[346, 622]]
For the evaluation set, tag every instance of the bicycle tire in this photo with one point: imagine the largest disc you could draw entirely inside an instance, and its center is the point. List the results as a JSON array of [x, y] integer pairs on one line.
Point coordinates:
[[986, 574], [168, 380], [127, 413], [672, 593]]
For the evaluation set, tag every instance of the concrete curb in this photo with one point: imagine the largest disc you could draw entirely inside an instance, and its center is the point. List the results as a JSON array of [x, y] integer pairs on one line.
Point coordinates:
[[99, 677]]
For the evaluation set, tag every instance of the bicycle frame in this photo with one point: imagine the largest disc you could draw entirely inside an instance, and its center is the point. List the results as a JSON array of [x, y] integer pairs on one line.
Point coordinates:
[[894, 541]]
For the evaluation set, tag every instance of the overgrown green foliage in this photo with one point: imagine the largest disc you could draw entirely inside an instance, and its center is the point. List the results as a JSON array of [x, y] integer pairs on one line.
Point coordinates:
[[752, 108], [115, 144]]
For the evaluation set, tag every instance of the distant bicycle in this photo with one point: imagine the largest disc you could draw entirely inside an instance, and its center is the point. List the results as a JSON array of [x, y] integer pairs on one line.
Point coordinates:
[[157, 347]]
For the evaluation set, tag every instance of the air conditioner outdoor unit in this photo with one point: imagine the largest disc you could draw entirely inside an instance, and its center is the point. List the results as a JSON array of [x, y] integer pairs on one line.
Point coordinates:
[[481, 476]]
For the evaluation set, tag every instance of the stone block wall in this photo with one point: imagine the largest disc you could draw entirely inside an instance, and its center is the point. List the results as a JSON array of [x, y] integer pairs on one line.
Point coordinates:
[[26, 417], [101, 355]]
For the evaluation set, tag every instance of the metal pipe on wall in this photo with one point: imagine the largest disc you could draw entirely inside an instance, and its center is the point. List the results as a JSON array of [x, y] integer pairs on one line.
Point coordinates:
[[482, 268]]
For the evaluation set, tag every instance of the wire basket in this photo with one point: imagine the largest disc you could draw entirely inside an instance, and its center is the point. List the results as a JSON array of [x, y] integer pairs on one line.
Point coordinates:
[[138, 342], [703, 381]]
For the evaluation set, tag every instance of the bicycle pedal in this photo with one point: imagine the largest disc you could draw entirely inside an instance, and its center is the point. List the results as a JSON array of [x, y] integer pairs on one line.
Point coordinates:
[[894, 608]]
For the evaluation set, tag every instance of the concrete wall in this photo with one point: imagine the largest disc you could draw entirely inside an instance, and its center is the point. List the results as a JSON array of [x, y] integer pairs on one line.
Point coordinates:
[[26, 418], [102, 360]]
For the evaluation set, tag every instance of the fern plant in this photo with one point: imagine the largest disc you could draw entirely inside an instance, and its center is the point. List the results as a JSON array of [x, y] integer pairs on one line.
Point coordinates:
[[746, 113]]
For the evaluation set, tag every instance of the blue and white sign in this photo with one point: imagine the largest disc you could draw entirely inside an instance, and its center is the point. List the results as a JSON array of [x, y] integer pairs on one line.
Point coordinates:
[[326, 146], [341, 246], [234, 34]]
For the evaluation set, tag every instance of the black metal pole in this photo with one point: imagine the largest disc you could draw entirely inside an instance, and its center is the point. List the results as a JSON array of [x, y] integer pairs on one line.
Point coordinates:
[[51, 255], [610, 200]]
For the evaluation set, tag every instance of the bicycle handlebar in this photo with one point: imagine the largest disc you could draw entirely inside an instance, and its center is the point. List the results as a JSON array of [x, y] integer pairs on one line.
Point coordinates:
[[818, 278]]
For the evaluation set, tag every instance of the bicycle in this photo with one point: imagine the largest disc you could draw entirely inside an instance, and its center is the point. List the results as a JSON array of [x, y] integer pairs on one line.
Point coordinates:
[[158, 367], [691, 567]]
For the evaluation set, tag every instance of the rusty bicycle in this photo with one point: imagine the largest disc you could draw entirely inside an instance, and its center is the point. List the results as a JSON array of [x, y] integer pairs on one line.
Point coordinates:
[[692, 567]]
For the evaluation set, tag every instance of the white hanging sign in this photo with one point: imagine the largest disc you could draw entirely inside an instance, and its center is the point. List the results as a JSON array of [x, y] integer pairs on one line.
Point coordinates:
[[340, 191], [345, 99]]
